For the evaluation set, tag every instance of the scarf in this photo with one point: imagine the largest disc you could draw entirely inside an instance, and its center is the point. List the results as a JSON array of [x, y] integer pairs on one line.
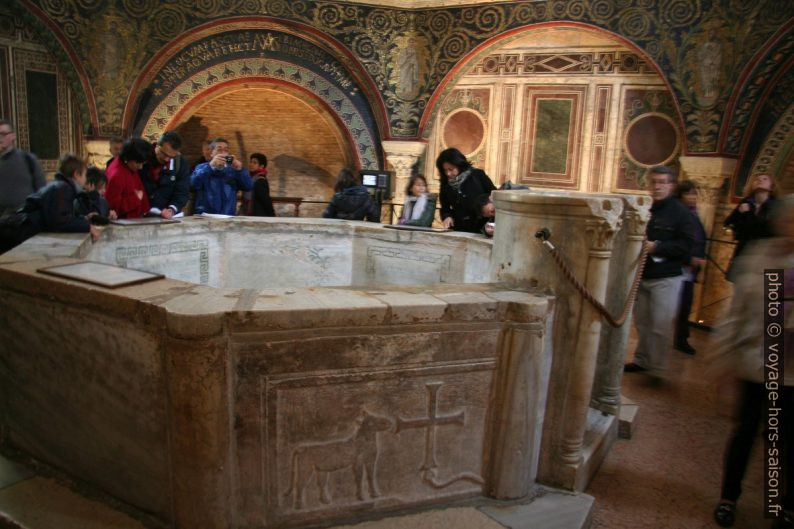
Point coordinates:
[[415, 206], [457, 182]]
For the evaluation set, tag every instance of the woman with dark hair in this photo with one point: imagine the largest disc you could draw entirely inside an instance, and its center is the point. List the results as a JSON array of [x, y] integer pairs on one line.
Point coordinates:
[[461, 184], [750, 220], [420, 206], [351, 201], [687, 193], [125, 193]]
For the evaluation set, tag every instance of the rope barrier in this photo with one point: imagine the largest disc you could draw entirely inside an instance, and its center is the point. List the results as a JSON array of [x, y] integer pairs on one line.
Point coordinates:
[[543, 236]]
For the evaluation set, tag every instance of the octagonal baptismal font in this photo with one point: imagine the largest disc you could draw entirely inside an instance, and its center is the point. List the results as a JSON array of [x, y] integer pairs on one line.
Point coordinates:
[[287, 372]]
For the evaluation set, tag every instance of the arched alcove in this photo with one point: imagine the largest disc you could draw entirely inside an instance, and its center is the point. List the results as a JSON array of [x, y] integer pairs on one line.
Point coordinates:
[[557, 106], [258, 50], [305, 145]]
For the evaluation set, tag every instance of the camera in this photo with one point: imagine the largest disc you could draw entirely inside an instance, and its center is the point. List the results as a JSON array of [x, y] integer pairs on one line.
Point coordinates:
[[229, 160]]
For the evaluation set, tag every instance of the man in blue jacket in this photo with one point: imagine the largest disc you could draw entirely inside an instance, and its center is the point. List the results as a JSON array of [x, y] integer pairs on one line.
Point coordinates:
[[216, 182], [670, 234]]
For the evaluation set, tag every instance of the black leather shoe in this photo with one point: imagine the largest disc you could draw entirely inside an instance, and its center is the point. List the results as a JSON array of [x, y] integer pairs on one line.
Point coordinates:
[[631, 367], [685, 348], [725, 514]]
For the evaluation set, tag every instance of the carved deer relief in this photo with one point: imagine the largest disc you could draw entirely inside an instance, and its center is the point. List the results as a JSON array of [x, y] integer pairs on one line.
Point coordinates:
[[359, 451]]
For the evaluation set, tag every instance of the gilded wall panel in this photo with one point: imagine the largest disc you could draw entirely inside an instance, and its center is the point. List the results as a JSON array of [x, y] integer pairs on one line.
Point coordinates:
[[551, 135], [504, 155], [648, 132], [466, 119], [5, 82], [61, 135], [597, 179]]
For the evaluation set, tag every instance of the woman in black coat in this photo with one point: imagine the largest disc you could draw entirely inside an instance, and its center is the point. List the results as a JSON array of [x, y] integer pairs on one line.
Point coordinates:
[[461, 184], [750, 220], [352, 200]]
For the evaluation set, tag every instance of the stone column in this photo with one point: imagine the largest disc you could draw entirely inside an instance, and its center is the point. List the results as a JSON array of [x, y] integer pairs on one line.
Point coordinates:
[[611, 353], [583, 227], [402, 156], [709, 173]]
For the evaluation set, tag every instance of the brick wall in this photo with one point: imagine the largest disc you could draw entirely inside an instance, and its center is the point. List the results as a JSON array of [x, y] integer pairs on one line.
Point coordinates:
[[304, 148]]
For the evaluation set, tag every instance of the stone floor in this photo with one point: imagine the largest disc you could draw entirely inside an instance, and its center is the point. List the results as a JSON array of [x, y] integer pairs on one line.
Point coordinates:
[[666, 477]]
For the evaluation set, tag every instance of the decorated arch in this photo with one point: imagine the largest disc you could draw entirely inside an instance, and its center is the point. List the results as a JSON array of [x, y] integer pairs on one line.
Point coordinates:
[[258, 49]]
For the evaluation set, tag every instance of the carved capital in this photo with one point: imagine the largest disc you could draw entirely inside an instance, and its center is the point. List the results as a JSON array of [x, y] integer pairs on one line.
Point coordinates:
[[635, 224], [709, 195], [402, 155], [708, 172], [636, 212], [97, 152], [402, 163], [601, 234]]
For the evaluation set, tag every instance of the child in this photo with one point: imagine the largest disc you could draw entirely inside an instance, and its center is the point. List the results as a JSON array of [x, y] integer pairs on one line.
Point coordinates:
[[51, 208], [257, 202], [420, 206], [91, 201], [487, 213]]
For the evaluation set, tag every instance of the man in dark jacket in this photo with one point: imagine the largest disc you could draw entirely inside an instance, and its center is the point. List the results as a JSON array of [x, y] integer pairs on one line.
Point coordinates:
[[20, 172], [51, 208], [670, 234], [166, 177]]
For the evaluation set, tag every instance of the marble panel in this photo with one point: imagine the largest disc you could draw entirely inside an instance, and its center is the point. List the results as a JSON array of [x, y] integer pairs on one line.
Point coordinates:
[[84, 392], [179, 251], [265, 253], [393, 438]]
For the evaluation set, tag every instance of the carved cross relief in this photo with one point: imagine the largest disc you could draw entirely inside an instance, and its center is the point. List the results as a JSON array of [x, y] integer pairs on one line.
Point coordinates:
[[313, 462], [431, 422]]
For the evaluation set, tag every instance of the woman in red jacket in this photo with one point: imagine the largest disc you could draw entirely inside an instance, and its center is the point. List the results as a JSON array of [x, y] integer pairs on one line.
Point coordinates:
[[125, 193]]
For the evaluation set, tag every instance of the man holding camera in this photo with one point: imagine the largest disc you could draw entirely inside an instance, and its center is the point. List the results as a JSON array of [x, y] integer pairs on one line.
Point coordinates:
[[216, 182]]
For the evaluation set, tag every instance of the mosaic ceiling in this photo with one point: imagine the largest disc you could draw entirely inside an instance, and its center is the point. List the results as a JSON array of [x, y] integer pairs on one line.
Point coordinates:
[[702, 47]]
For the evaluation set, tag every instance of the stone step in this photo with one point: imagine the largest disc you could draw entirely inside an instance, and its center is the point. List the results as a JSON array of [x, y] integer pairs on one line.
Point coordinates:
[[548, 509], [28, 501]]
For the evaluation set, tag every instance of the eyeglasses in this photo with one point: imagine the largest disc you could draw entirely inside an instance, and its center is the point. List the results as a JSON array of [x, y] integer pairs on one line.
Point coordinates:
[[173, 154]]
